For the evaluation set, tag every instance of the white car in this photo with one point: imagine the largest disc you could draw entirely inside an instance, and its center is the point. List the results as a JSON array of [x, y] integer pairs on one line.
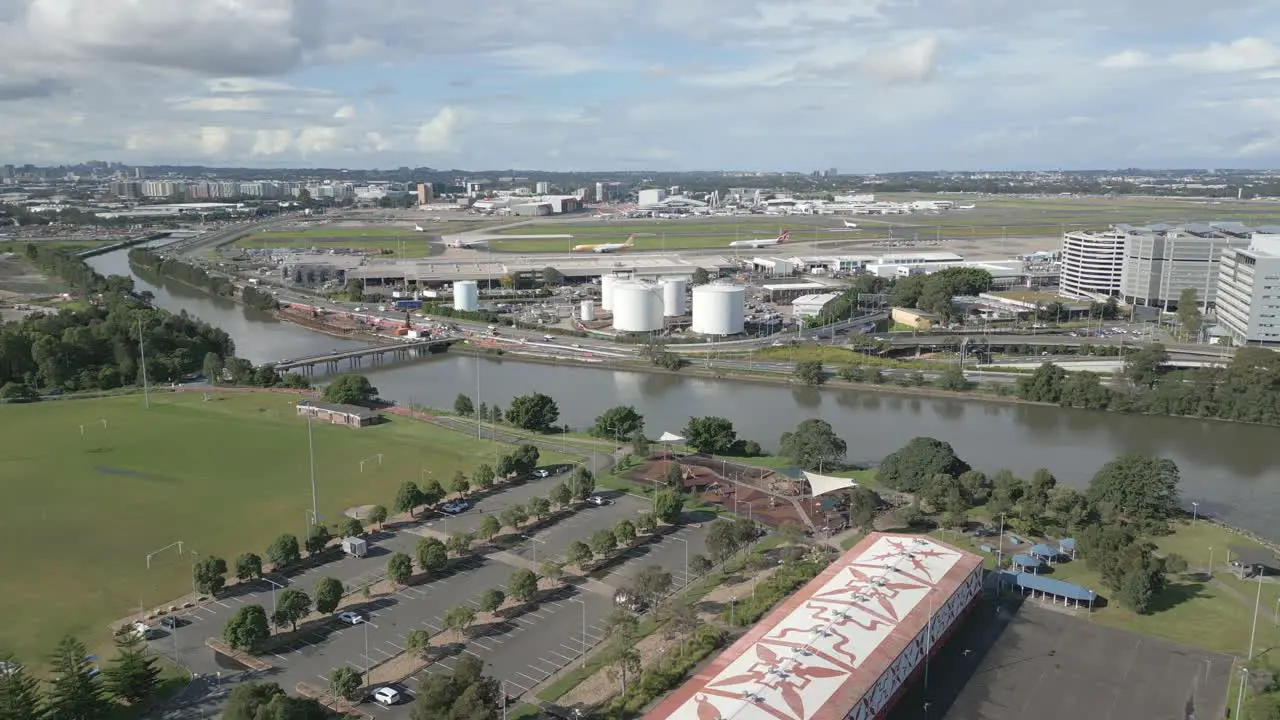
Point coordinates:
[[598, 501], [351, 618], [386, 696], [541, 473], [455, 507], [142, 630]]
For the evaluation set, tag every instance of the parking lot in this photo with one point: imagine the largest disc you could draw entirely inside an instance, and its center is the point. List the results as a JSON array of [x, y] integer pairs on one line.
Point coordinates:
[[525, 648]]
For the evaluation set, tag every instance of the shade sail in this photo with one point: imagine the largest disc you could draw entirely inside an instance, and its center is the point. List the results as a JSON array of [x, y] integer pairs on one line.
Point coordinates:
[[823, 484], [670, 438]]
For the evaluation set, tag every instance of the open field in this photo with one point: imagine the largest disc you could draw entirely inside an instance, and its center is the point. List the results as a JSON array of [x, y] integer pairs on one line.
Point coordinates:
[[19, 276], [79, 513]]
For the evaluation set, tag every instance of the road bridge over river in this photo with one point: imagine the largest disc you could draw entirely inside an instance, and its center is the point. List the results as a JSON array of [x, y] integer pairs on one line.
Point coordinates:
[[376, 354]]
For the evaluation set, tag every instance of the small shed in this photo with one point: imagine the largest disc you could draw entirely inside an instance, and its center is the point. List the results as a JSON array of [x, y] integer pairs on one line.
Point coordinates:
[[337, 414], [1067, 546], [355, 547], [1049, 588]]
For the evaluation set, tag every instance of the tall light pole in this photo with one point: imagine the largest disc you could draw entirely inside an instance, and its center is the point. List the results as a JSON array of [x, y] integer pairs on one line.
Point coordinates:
[[479, 420], [584, 628], [1195, 511], [686, 562], [311, 454], [142, 353], [1256, 604]]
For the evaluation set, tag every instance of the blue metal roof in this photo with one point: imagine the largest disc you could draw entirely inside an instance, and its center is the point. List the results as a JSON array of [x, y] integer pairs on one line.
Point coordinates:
[[1067, 545], [1026, 561], [1048, 585], [1044, 551]]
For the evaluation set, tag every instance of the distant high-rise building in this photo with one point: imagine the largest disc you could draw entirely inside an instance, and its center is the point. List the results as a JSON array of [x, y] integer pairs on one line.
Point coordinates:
[[543, 187], [832, 172], [1248, 304], [7, 173], [137, 173], [599, 189], [425, 195], [126, 189]]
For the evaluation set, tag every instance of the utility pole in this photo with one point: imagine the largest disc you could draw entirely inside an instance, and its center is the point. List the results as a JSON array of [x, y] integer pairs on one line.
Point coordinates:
[[142, 353], [311, 453]]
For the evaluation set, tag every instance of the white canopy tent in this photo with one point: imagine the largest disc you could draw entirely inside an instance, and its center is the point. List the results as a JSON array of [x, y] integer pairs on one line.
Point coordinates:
[[670, 438], [823, 484]]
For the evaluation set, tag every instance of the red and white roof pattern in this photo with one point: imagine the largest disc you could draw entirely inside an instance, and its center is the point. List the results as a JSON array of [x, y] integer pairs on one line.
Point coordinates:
[[817, 654]]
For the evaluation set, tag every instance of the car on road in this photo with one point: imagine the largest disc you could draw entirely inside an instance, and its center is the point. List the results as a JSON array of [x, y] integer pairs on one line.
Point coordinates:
[[386, 696], [455, 507], [598, 500], [351, 618], [142, 630], [171, 622], [542, 473]]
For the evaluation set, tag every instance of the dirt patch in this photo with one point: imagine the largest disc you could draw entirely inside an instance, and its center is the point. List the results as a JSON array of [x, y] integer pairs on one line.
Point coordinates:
[[709, 605], [19, 278], [731, 493], [604, 684], [359, 512]]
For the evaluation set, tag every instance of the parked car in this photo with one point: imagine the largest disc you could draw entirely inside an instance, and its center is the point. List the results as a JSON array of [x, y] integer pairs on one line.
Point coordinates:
[[541, 473], [142, 630], [455, 506], [598, 500], [171, 622], [386, 696], [351, 618]]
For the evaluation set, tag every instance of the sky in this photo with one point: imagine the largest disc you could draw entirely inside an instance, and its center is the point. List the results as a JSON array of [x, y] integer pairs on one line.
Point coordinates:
[[597, 85]]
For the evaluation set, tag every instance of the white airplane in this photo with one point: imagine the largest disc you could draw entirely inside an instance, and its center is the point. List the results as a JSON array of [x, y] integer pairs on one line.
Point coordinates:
[[966, 207], [606, 247], [418, 228], [850, 224], [786, 234]]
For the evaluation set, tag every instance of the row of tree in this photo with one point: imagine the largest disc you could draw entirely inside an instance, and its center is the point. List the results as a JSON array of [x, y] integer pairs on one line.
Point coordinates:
[[172, 266], [75, 688], [1247, 389]]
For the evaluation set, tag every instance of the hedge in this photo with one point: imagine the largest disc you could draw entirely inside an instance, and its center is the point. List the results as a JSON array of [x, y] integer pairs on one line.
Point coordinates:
[[767, 594]]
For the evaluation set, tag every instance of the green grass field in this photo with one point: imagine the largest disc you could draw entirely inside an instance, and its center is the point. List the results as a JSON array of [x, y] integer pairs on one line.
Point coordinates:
[[328, 231], [79, 513]]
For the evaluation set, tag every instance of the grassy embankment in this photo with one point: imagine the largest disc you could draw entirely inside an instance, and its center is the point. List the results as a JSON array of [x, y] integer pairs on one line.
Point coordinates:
[[79, 513]]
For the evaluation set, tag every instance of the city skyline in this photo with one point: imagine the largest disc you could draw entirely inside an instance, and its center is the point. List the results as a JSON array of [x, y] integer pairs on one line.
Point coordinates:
[[563, 85]]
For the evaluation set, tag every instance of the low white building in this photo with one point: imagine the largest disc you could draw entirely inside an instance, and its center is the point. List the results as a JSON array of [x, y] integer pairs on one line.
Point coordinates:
[[811, 305]]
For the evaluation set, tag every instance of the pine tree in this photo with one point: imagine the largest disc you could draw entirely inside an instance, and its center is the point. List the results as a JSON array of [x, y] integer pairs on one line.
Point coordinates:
[[19, 692], [74, 693], [133, 674]]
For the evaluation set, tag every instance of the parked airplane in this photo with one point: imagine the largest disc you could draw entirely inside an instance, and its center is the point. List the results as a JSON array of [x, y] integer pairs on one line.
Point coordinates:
[[418, 228], [850, 224], [966, 207], [606, 247], [786, 234]]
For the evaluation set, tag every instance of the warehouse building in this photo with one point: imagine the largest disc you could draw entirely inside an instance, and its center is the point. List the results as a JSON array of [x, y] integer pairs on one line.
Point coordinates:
[[811, 305], [847, 644], [1160, 261]]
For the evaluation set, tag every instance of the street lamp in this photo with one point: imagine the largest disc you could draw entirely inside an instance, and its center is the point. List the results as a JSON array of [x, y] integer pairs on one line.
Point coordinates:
[[1195, 511], [533, 543], [686, 564], [584, 628]]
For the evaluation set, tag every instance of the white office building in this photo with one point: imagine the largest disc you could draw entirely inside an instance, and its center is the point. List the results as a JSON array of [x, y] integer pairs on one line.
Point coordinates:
[[1248, 295], [1161, 261], [650, 198], [807, 306], [1092, 263]]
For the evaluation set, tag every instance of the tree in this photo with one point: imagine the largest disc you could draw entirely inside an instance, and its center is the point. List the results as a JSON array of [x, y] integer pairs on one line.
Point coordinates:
[[328, 592], [246, 699], [862, 507], [810, 372], [408, 497], [459, 619], [652, 583], [212, 367], [624, 532], [483, 476], [538, 508], [399, 568], [1140, 487], [462, 405], [460, 484], [430, 492], [292, 605], [699, 565], [710, 435], [285, 707], [491, 600], [525, 458], [523, 585], [433, 556], [667, 506], [351, 389], [790, 533], [560, 495], [488, 528], [646, 523], [673, 476], [210, 574], [722, 542], [513, 516], [536, 412], [953, 379], [623, 659], [640, 444], [378, 515], [417, 642], [620, 421], [582, 483], [909, 468], [579, 554], [495, 414], [345, 682], [132, 675], [701, 276], [813, 445], [459, 543], [284, 552], [436, 693], [18, 392], [551, 570], [318, 539], [351, 527], [247, 629], [1145, 366], [19, 692], [1189, 315]]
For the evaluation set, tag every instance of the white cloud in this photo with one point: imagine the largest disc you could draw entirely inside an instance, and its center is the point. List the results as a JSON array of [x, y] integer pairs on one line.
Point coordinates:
[[437, 135], [1250, 53], [214, 140], [221, 104], [346, 112], [271, 142], [1126, 59], [375, 142], [913, 62], [315, 139], [546, 59]]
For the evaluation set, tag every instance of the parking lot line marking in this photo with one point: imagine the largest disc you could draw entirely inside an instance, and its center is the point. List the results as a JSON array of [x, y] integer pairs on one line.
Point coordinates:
[[472, 654], [534, 680], [401, 649], [358, 667], [560, 655], [280, 656], [554, 666], [523, 689], [384, 652], [575, 650], [526, 621], [476, 641], [222, 604]]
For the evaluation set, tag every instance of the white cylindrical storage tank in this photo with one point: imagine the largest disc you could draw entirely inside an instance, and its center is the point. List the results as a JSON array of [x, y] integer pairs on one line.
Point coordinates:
[[637, 306], [587, 312], [673, 292], [718, 309], [606, 292], [466, 295]]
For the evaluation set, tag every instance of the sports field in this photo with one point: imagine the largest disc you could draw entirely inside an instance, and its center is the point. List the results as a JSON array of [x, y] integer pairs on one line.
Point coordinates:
[[80, 512]]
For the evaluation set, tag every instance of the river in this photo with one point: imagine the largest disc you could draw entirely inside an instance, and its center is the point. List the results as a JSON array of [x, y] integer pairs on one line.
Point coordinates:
[[1228, 469]]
